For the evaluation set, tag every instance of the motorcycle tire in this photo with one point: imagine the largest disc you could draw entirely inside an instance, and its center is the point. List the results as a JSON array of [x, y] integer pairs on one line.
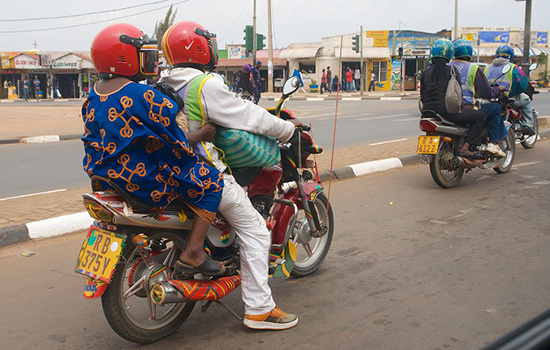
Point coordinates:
[[311, 256], [118, 311], [530, 141], [440, 168], [508, 145]]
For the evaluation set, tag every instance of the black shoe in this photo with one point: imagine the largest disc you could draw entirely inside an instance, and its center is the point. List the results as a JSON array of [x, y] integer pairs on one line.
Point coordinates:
[[208, 267], [527, 130]]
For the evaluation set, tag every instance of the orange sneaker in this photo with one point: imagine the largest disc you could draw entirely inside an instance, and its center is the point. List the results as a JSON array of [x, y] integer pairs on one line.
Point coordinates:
[[275, 319]]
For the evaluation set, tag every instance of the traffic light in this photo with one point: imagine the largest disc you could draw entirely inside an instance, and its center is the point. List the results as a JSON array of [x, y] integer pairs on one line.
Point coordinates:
[[248, 43], [400, 51], [355, 43], [260, 41]]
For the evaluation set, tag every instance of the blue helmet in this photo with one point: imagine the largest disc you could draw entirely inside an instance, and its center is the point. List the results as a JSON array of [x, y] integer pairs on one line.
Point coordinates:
[[442, 48], [463, 48], [505, 51]]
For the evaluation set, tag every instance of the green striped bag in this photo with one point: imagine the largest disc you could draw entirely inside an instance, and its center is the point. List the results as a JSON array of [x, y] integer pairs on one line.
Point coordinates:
[[245, 149]]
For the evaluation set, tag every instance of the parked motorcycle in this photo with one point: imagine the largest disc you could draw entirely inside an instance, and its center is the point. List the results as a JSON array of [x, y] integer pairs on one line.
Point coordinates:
[[130, 250]]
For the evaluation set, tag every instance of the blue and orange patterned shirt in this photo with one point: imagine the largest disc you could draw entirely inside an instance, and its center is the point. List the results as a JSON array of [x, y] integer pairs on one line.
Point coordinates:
[[131, 137]]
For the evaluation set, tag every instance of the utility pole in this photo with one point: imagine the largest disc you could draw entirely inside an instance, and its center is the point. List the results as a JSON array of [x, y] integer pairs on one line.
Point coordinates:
[[254, 36], [270, 49], [361, 80], [526, 37], [455, 33]]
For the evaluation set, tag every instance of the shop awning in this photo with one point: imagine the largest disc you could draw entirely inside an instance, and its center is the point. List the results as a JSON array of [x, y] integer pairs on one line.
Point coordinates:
[[535, 51], [307, 52], [368, 52]]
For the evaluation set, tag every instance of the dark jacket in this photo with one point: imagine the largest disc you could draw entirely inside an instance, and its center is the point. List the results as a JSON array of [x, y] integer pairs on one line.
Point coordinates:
[[432, 90]]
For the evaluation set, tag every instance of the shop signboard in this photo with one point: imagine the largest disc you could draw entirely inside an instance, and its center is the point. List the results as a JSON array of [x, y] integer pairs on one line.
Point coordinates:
[[236, 52], [492, 37], [67, 62], [396, 74], [25, 62], [542, 38], [380, 37], [412, 41]]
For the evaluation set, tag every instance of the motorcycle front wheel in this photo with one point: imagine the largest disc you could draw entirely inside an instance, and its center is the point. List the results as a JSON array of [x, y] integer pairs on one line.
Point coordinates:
[[443, 172], [311, 251], [130, 313], [530, 141], [508, 145]]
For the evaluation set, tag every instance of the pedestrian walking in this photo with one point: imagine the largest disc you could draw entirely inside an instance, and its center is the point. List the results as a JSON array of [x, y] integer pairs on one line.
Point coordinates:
[[324, 82], [26, 89], [372, 79], [54, 87], [36, 83], [5, 88], [329, 79], [245, 88], [257, 81], [357, 78]]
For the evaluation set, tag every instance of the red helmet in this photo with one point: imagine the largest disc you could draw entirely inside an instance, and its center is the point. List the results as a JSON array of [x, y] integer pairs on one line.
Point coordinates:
[[188, 44], [123, 49]]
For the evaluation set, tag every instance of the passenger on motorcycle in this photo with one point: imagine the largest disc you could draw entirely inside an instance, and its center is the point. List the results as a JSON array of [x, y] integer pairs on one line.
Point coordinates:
[[131, 137], [515, 83], [474, 84], [433, 86], [191, 51]]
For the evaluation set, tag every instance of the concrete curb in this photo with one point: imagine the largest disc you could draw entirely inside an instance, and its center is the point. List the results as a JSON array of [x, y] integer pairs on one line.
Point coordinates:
[[73, 222]]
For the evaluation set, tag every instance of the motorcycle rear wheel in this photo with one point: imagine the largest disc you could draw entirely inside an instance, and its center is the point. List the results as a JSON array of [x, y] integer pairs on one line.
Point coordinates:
[[131, 318], [529, 142], [442, 172], [508, 145], [311, 251]]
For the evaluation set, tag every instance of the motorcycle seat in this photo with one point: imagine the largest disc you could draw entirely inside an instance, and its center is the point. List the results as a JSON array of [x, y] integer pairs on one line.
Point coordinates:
[[136, 203], [428, 113]]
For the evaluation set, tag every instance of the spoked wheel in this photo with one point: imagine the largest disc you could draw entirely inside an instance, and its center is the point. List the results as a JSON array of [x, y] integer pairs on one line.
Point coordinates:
[[311, 251], [530, 141], [508, 145], [126, 302], [444, 173]]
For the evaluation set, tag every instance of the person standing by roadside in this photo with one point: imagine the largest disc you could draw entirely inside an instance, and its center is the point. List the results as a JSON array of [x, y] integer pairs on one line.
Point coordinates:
[[357, 77], [372, 79], [324, 82], [349, 80], [257, 81], [329, 79], [26, 89], [246, 84], [36, 83], [335, 83], [6, 88], [54, 87]]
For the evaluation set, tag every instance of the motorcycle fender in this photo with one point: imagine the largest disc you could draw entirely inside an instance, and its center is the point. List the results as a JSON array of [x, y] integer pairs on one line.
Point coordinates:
[[282, 214], [93, 288]]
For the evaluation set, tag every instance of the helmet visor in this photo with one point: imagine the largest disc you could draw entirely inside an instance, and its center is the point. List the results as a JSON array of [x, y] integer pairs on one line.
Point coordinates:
[[148, 59]]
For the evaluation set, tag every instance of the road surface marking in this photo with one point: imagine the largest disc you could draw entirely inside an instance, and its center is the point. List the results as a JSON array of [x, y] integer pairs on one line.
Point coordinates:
[[408, 119], [383, 117], [32, 194], [384, 142], [525, 164], [390, 98]]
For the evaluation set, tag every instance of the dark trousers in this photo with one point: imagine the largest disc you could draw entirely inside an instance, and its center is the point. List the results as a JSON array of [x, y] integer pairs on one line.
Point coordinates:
[[257, 94], [495, 124], [475, 118], [324, 86], [371, 85]]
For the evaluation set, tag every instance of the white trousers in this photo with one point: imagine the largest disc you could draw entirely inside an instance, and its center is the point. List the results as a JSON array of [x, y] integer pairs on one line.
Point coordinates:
[[254, 243]]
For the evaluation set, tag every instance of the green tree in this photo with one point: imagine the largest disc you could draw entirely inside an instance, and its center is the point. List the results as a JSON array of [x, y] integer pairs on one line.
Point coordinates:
[[162, 26]]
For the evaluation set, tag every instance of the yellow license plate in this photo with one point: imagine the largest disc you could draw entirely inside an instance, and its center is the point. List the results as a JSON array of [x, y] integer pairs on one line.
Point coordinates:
[[100, 253], [428, 144]]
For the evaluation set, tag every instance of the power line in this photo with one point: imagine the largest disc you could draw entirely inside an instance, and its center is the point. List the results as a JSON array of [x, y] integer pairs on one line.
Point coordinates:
[[80, 14], [90, 23], [235, 21]]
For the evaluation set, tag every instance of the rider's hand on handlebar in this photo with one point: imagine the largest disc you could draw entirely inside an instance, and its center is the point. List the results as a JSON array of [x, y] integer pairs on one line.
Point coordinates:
[[501, 88], [296, 122]]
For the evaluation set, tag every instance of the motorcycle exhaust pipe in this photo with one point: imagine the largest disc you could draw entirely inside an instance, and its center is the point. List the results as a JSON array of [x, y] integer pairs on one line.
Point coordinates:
[[457, 161], [165, 293]]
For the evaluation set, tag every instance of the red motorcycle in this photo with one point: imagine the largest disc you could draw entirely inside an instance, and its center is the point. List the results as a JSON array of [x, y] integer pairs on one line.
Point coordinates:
[[130, 250]]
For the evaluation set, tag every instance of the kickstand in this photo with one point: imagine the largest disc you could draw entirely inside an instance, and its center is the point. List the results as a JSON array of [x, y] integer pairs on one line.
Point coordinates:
[[209, 302]]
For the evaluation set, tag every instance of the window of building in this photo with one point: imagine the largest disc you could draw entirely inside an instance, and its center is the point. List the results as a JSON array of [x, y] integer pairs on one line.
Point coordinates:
[[380, 69]]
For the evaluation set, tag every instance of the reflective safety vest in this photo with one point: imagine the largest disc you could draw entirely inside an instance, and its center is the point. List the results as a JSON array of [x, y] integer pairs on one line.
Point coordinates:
[[467, 72], [194, 111], [494, 75]]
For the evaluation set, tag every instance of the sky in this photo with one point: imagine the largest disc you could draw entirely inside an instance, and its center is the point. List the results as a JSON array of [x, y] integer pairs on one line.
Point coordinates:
[[294, 21]]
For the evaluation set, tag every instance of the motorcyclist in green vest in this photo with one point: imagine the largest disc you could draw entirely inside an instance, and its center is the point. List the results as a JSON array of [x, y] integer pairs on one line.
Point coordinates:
[[191, 51], [515, 83], [475, 85]]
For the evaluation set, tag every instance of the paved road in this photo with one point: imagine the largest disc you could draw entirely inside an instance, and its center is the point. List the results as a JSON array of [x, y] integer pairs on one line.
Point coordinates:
[[51, 166], [412, 266]]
